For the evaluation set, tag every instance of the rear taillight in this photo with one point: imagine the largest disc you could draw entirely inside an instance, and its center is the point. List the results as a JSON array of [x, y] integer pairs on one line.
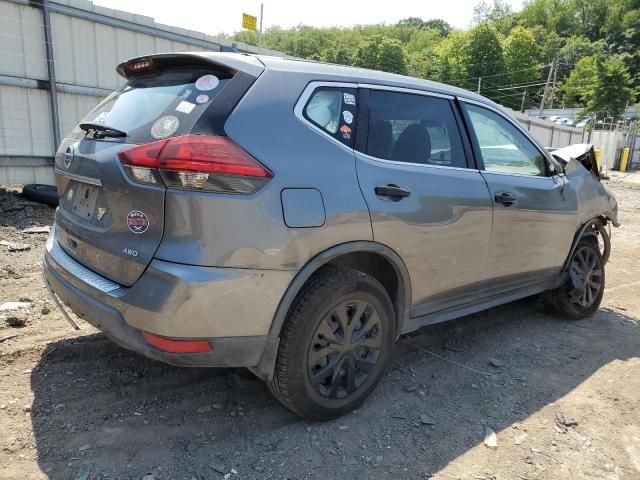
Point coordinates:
[[195, 162], [141, 162]]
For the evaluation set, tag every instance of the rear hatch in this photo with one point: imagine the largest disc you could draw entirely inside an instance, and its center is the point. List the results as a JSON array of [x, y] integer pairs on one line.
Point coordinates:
[[111, 213]]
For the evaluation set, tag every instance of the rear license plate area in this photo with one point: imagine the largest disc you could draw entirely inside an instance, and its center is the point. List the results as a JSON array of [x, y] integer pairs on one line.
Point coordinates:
[[84, 201]]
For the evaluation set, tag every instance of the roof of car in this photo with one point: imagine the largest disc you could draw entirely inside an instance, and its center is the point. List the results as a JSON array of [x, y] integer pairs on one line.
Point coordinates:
[[319, 71], [364, 75]]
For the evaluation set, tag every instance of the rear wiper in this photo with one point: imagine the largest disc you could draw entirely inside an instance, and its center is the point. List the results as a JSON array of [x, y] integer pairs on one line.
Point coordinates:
[[102, 130]]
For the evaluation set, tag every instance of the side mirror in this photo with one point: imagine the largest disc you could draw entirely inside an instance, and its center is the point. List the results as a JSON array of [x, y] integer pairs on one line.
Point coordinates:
[[556, 165]]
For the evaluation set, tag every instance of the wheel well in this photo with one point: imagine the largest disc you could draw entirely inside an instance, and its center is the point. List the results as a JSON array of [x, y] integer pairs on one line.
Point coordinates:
[[380, 268], [591, 231]]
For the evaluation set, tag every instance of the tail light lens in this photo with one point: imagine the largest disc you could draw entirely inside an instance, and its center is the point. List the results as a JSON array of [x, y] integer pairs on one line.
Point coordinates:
[[195, 162]]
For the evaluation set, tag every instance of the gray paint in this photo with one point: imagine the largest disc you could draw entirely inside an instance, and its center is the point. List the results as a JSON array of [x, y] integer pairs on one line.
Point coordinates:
[[100, 243], [302, 207], [231, 265]]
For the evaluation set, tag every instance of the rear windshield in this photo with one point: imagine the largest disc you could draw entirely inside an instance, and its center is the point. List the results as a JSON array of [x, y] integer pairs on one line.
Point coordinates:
[[160, 104]]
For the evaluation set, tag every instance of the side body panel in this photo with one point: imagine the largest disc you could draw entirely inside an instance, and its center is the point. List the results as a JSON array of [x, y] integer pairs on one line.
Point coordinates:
[[250, 231], [441, 230], [534, 215], [531, 237]]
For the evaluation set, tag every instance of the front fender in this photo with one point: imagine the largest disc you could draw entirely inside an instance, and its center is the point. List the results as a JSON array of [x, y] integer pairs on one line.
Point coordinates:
[[593, 198]]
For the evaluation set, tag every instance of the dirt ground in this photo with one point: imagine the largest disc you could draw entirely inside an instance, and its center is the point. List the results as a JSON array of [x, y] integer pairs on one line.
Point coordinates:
[[562, 397]]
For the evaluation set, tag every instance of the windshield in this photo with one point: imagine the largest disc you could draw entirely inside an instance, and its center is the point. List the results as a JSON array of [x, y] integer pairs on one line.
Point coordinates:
[[160, 104]]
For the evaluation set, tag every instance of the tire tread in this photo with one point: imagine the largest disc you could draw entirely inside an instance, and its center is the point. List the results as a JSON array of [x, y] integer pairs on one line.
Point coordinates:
[[319, 285]]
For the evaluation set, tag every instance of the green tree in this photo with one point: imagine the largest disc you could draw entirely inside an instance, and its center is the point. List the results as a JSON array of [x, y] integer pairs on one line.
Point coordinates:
[[423, 64], [392, 57], [574, 49], [521, 54], [483, 54], [380, 53], [624, 40], [554, 15], [591, 16], [451, 59], [612, 89], [439, 25], [499, 14], [550, 44], [411, 22], [579, 86], [424, 40], [422, 53]]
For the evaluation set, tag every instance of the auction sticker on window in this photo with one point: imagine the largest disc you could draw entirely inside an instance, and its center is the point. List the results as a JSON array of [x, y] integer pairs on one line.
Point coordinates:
[[185, 107], [207, 82], [137, 221], [349, 99], [200, 99], [348, 116]]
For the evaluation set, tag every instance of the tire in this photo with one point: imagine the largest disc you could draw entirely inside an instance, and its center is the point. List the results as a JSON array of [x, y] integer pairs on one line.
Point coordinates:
[[37, 192], [573, 303], [318, 375]]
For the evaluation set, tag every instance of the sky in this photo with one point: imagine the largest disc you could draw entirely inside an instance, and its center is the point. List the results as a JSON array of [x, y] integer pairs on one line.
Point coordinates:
[[215, 17]]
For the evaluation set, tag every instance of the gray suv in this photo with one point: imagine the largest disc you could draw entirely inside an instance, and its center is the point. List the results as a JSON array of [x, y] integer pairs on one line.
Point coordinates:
[[296, 218]]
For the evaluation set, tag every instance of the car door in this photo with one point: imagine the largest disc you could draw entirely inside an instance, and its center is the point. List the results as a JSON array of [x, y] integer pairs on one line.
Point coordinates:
[[534, 217], [426, 200]]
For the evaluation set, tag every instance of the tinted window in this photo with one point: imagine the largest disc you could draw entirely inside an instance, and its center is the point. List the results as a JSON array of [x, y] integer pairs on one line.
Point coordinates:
[[333, 110], [413, 128], [502, 146], [160, 104]]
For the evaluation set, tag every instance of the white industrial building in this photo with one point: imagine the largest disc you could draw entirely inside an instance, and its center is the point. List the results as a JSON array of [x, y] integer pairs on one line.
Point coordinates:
[[57, 60]]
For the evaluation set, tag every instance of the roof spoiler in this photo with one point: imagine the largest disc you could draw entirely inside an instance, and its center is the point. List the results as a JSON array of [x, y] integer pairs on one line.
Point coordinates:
[[229, 61]]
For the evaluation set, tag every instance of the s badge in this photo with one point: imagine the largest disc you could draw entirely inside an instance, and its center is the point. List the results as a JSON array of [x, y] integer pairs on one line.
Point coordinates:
[[137, 221]]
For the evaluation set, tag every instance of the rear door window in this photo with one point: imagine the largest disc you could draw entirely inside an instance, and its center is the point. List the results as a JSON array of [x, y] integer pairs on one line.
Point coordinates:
[[161, 104], [334, 111], [413, 128]]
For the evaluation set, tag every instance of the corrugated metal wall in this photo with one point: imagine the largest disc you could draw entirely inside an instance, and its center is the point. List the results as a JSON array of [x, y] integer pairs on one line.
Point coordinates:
[[88, 42], [550, 134]]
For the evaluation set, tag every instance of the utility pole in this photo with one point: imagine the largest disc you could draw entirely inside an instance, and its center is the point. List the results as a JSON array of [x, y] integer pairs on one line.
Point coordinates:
[[260, 34], [546, 87], [553, 88], [479, 84], [524, 98]]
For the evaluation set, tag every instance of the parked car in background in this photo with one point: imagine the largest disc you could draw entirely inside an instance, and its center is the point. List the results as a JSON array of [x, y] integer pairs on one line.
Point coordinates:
[[297, 218]]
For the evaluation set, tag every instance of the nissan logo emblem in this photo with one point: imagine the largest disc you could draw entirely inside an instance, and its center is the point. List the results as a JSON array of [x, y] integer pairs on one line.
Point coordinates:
[[68, 157]]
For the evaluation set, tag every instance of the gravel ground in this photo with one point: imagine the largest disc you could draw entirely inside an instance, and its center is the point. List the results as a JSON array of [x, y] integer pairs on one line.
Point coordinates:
[[562, 397]]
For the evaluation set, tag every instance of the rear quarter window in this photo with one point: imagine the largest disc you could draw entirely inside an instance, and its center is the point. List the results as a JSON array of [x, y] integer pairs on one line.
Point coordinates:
[[161, 104], [334, 111]]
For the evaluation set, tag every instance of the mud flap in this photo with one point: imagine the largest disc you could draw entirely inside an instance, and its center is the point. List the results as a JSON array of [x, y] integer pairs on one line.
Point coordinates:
[[59, 305]]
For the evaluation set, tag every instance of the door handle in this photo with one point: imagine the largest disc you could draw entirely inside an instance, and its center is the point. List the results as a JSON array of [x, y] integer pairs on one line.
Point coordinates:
[[505, 198], [394, 192]]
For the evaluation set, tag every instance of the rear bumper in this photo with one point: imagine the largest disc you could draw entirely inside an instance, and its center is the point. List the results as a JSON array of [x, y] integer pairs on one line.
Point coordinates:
[[231, 308]]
